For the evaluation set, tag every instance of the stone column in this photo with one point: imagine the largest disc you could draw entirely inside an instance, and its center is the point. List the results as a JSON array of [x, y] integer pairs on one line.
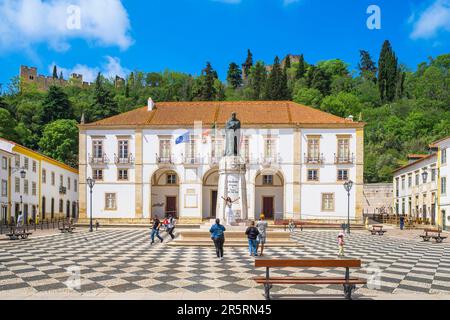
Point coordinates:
[[359, 173], [139, 214], [82, 175]]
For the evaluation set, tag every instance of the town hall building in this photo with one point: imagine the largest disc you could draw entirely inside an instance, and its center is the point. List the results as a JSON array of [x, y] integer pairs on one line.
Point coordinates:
[[164, 159]]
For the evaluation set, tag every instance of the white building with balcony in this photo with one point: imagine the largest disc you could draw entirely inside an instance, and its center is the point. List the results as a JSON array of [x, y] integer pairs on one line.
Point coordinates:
[[443, 150], [298, 159]]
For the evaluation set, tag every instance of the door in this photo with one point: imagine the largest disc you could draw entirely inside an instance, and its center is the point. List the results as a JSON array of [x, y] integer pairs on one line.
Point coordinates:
[[214, 196], [268, 208], [433, 214], [68, 210], [25, 213], [171, 206], [444, 220], [53, 209], [43, 208]]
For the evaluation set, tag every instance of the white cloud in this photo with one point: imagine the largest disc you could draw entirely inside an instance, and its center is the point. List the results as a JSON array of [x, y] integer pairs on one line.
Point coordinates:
[[433, 19], [109, 69], [26, 23]]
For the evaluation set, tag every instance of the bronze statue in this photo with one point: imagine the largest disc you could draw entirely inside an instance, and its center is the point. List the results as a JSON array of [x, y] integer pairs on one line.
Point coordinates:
[[233, 139]]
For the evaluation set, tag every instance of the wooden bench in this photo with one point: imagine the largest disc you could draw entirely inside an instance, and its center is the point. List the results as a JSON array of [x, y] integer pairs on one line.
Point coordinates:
[[348, 283], [433, 234], [18, 233], [377, 230]]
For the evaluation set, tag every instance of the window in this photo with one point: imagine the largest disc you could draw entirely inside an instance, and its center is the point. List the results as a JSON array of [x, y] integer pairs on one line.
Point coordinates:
[[97, 150], [53, 178], [444, 156], [267, 180], [245, 149], [34, 166], [97, 174], [122, 174], [26, 163], [4, 188], [217, 148], [313, 175], [171, 178], [417, 179], [165, 150], [403, 206], [61, 180], [123, 149], [110, 201], [68, 183], [409, 181], [343, 175], [313, 149], [270, 148], [328, 202], [433, 174], [33, 188], [17, 185], [444, 185], [4, 163], [25, 186], [17, 160], [75, 185], [343, 150], [403, 183], [44, 176], [191, 151], [61, 206]]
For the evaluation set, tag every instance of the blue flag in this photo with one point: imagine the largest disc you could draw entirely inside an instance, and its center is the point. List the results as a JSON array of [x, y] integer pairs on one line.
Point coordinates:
[[183, 139]]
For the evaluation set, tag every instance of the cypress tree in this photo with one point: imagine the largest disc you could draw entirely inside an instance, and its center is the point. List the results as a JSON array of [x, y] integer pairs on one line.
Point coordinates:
[[367, 68], [61, 77], [287, 62], [208, 91], [388, 73], [301, 70], [104, 104], [248, 64], [276, 88], [234, 76], [55, 72], [257, 80]]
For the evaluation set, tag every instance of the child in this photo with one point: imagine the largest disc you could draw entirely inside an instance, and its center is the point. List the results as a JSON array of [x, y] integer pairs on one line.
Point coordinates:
[[291, 226], [341, 244]]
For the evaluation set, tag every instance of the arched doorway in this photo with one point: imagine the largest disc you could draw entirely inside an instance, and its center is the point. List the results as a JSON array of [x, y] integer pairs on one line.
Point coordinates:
[[165, 193], [210, 189], [269, 194]]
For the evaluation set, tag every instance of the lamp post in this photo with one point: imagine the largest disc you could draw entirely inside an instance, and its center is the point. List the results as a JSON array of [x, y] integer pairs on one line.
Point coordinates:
[[348, 187], [91, 184]]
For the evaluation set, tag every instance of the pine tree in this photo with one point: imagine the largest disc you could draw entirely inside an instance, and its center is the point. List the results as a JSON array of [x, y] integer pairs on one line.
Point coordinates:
[[301, 70], [208, 91], [234, 76], [257, 80], [56, 106], [287, 62], [248, 64], [61, 77], [276, 88], [55, 72], [387, 73], [367, 68], [104, 104]]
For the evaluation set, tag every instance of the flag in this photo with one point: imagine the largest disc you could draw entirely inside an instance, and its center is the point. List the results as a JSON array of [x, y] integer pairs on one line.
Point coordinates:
[[185, 138]]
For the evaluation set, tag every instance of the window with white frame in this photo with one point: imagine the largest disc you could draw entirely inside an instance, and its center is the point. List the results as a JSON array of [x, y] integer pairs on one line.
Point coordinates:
[[75, 185], [313, 175], [33, 188], [417, 179], [97, 149], [17, 160], [313, 149], [444, 156], [433, 174], [4, 188], [403, 183], [122, 174], [270, 148], [123, 149], [17, 185], [444, 185], [343, 175], [191, 151], [26, 163], [343, 150], [165, 149], [44, 176], [4, 163], [110, 201], [97, 174], [409, 181], [34, 166], [245, 149], [68, 183], [25, 186], [328, 202], [171, 178], [268, 180], [53, 178]]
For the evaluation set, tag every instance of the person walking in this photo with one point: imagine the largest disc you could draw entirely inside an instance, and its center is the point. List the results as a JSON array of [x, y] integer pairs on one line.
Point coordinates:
[[20, 220], [341, 244], [252, 235], [171, 226], [262, 228], [218, 237], [402, 222], [155, 230]]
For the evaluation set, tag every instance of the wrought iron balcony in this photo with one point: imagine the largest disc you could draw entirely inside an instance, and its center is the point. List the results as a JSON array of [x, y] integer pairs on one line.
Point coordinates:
[[314, 159], [62, 190], [268, 160], [167, 159], [124, 160], [98, 161], [344, 159], [196, 160]]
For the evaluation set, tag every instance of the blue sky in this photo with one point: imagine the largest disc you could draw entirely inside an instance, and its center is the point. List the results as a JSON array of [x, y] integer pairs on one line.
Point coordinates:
[[115, 36]]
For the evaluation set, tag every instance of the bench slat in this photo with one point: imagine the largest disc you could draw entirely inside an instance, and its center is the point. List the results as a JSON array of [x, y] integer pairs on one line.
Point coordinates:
[[344, 263], [312, 281]]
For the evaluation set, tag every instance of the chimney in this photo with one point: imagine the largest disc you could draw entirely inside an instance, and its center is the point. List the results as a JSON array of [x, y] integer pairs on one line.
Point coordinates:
[[151, 104], [351, 118]]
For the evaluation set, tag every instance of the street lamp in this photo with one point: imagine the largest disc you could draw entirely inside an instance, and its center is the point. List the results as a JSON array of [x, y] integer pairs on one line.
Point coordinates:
[[348, 187], [91, 184]]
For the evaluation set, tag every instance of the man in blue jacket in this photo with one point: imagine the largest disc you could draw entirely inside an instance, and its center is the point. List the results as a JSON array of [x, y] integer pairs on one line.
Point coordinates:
[[218, 236]]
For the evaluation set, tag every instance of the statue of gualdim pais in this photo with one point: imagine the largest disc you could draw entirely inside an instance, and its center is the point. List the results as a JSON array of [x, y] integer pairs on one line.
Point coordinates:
[[232, 133]]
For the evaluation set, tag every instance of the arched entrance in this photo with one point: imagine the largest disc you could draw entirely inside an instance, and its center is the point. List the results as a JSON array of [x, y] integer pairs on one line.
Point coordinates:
[[269, 194], [165, 193], [210, 193]]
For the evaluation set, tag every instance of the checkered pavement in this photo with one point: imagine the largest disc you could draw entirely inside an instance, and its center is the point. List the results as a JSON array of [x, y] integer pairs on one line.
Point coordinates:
[[121, 261]]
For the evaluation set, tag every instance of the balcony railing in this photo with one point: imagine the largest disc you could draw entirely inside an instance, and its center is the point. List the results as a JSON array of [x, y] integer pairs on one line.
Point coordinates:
[[314, 159], [62, 190], [344, 159], [192, 160], [168, 159], [268, 160], [124, 160], [98, 160]]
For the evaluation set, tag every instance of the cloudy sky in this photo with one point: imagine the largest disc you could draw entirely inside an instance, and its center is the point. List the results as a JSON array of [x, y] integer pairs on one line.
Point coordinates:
[[117, 36]]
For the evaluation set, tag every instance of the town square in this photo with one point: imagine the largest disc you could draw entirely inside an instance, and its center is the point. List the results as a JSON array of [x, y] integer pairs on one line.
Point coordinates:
[[224, 150]]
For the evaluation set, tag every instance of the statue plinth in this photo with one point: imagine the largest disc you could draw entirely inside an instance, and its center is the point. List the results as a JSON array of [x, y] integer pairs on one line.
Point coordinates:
[[232, 184]]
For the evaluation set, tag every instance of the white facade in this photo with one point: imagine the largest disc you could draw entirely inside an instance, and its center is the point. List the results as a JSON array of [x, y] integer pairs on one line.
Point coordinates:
[[176, 180], [444, 180], [30, 187], [5, 158]]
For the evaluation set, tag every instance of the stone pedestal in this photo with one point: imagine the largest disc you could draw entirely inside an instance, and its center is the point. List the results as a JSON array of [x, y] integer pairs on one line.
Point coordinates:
[[232, 184]]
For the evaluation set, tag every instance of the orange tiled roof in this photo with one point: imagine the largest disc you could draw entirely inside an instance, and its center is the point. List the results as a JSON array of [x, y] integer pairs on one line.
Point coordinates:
[[249, 112], [426, 157], [417, 156]]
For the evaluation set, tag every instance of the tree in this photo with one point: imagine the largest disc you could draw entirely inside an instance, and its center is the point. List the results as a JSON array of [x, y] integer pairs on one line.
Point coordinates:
[[367, 68], [234, 76], [287, 62], [343, 104], [276, 87], [60, 141], [103, 104], [307, 96], [388, 73], [319, 79], [55, 106], [55, 72], [301, 70], [61, 76], [257, 80], [248, 64], [206, 91], [7, 125]]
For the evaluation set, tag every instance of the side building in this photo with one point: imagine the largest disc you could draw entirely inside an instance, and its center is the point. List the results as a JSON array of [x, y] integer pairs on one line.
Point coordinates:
[[297, 161], [36, 185], [443, 150]]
